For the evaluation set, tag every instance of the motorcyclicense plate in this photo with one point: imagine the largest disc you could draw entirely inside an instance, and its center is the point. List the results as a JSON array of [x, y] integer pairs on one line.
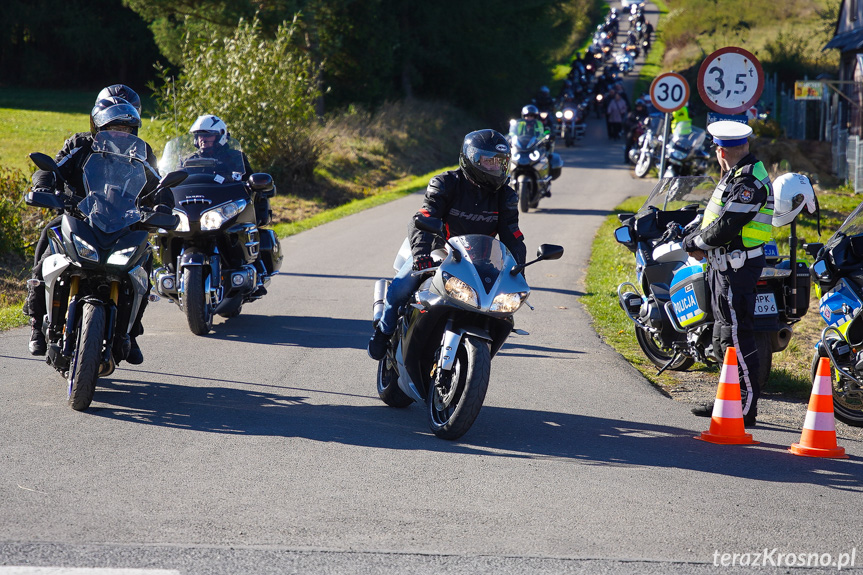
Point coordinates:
[[765, 304]]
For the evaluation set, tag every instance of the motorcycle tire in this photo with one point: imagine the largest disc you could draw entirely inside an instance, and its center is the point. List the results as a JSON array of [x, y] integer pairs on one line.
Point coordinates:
[[658, 355], [524, 192], [87, 359], [847, 411], [198, 312], [454, 406], [765, 358], [642, 166], [388, 386]]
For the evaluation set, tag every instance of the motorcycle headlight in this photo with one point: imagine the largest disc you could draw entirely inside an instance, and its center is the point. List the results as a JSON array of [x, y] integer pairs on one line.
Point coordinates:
[[184, 221], [543, 115], [213, 218], [121, 257], [508, 302], [534, 155], [85, 250], [516, 157], [568, 114], [458, 290], [558, 114]]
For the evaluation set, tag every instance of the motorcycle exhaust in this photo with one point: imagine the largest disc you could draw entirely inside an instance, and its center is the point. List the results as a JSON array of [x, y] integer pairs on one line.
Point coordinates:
[[380, 294], [780, 339]]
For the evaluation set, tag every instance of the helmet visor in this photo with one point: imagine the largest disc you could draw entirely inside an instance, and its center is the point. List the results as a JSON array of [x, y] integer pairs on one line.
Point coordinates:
[[119, 114], [494, 163]]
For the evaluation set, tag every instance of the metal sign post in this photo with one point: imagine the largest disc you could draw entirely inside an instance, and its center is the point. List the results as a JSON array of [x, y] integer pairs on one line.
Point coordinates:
[[665, 133]]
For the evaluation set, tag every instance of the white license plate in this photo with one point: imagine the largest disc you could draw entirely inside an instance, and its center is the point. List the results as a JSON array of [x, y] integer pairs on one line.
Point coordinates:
[[765, 304]]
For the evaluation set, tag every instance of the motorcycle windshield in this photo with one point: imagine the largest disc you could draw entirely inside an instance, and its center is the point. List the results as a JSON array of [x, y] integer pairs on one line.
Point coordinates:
[[852, 226], [674, 193], [225, 161], [485, 253], [114, 175]]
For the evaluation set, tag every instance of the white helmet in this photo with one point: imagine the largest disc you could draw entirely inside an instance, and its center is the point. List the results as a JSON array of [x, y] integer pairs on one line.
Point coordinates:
[[210, 124], [791, 192]]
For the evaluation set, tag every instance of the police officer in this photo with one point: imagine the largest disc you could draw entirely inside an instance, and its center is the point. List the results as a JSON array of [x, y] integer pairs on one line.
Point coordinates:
[[736, 225], [475, 199]]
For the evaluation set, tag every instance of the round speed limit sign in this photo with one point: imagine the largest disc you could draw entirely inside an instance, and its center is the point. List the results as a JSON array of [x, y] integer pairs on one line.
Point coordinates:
[[669, 92], [730, 80]]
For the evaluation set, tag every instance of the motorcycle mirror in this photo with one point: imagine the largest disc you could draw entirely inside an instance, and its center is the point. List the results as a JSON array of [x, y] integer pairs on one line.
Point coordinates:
[[172, 179], [431, 225], [158, 219], [43, 200], [44, 162], [623, 235], [549, 252]]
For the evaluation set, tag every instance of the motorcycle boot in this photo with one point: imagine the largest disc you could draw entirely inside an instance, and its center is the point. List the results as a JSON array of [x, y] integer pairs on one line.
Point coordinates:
[[135, 357], [38, 345], [378, 344]]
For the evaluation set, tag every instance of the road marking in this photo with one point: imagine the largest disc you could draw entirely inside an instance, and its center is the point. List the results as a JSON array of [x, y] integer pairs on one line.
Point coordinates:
[[83, 571]]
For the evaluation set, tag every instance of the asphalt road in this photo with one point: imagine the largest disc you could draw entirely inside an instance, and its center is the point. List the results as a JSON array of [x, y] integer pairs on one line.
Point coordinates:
[[263, 448]]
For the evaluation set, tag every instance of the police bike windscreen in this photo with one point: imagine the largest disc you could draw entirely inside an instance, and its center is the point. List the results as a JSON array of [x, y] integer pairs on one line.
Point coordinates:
[[114, 175], [675, 193]]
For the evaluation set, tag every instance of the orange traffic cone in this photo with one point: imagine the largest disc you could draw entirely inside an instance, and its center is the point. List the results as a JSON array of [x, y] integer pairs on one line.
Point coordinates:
[[819, 430], [726, 423]]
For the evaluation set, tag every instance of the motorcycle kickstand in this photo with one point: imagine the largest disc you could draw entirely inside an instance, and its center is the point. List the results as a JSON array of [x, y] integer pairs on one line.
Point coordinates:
[[670, 361]]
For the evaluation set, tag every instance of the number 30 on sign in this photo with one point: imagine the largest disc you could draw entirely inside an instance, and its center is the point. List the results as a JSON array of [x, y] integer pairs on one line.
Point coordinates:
[[669, 92]]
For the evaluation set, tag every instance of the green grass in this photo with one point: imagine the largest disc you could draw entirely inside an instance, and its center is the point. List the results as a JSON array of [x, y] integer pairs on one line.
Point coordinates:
[[612, 264]]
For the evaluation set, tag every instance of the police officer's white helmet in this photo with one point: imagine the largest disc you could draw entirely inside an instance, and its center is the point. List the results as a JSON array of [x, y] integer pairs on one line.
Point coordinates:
[[791, 193], [210, 124]]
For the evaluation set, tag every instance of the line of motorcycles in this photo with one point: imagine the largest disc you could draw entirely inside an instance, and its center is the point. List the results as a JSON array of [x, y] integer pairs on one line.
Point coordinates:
[[686, 154], [215, 256], [669, 303]]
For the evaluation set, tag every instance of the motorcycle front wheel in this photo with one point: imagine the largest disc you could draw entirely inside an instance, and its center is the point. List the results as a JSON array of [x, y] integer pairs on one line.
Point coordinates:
[[524, 192], [455, 397], [388, 386], [198, 312], [658, 354], [87, 358], [848, 410], [642, 166]]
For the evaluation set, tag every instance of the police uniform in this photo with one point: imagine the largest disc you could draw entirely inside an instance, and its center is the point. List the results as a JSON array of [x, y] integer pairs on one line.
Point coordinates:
[[736, 225]]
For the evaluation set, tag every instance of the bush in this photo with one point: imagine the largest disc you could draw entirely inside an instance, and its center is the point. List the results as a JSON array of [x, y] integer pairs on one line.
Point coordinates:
[[264, 89], [19, 226]]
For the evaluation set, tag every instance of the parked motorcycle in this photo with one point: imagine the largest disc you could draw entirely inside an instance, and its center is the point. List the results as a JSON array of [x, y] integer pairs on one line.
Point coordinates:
[[838, 275], [453, 326], [95, 271], [687, 154], [670, 305], [219, 257], [532, 168]]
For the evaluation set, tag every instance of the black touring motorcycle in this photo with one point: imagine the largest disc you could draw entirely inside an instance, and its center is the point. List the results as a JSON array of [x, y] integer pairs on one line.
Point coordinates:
[[219, 257], [95, 268]]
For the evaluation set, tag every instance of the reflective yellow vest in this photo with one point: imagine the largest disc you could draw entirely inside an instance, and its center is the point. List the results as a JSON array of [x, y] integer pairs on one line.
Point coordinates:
[[759, 230]]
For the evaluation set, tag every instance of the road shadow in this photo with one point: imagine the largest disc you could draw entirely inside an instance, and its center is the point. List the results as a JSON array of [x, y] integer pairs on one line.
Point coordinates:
[[572, 212], [498, 432], [295, 331]]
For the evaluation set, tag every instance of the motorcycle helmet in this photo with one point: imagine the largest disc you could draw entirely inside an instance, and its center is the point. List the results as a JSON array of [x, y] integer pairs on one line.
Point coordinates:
[[210, 125], [123, 91], [114, 113], [484, 158], [791, 193], [529, 110]]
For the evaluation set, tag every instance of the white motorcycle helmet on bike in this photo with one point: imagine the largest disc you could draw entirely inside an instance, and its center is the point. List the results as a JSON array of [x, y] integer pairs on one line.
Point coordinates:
[[209, 124], [791, 193]]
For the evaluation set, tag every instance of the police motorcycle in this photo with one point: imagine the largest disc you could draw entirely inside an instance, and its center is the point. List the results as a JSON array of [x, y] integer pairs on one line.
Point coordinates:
[[95, 268], [452, 327], [219, 257], [838, 275], [649, 149], [571, 124], [670, 302], [532, 167]]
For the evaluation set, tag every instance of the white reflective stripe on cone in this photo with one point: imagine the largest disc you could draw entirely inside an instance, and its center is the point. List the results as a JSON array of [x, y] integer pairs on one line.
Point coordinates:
[[823, 385], [819, 421], [727, 408]]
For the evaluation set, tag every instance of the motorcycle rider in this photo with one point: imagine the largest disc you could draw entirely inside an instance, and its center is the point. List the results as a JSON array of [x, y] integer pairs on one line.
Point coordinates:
[[115, 114], [474, 199], [529, 123], [737, 223], [211, 136], [633, 120]]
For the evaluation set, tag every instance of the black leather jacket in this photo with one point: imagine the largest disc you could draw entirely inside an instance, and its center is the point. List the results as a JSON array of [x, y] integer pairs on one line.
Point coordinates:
[[469, 209]]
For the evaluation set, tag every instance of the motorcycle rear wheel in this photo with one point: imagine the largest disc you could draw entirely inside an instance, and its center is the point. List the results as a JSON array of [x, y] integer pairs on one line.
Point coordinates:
[[659, 355], [642, 166], [453, 404], [388, 386], [87, 358], [847, 411], [198, 312]]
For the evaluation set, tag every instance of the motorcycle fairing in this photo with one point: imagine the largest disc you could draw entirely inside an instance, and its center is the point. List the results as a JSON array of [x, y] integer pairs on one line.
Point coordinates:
[[140, 284], [840, 305], [104, 243]]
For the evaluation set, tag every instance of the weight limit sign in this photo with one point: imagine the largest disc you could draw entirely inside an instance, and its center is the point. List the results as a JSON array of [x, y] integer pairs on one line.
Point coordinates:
[[730, 80]]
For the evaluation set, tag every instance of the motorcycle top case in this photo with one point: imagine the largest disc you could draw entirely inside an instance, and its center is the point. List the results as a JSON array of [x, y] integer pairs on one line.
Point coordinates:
[[690, 297]]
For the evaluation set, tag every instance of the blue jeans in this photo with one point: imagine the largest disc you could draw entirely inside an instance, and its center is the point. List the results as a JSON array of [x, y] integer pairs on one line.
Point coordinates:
[[400, 290]]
